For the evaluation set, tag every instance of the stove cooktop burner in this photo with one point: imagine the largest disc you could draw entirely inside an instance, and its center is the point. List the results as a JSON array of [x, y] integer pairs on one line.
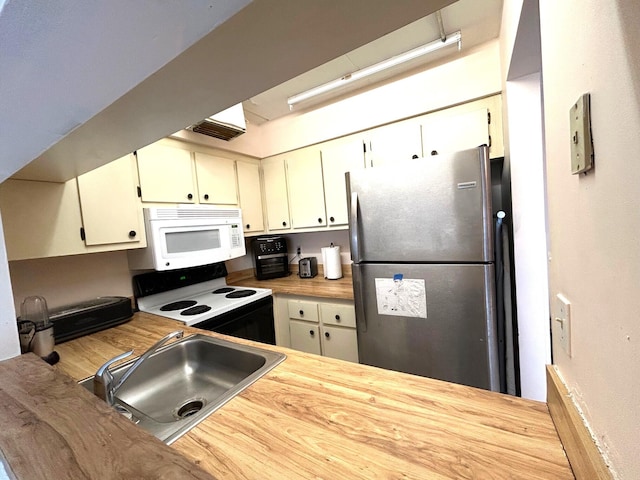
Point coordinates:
[[224, 290], [240, 294], [198, 309], [179, 305]]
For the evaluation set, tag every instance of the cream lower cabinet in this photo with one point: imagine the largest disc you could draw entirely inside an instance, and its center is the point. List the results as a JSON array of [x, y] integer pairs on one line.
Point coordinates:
[[323, 328]]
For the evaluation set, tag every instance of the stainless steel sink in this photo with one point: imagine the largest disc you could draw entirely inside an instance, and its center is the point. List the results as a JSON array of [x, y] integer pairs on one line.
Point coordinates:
[[184, 382]]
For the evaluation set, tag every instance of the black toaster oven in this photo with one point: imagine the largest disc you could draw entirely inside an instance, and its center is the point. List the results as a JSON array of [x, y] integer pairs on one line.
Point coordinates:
[[270, 257]]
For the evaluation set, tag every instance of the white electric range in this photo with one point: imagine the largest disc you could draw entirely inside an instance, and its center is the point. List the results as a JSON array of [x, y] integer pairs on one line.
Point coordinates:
[[200, 297]]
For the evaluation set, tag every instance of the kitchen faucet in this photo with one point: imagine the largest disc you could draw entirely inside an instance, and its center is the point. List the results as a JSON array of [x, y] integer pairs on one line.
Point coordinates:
[[103, 381]]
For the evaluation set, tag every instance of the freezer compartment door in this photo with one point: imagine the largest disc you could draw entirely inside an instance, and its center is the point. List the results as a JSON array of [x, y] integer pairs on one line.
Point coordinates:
[[436, 209], [438, 321]]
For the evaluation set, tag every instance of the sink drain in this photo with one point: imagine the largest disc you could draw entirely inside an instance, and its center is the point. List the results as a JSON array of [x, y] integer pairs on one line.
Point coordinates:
[[189, 408]]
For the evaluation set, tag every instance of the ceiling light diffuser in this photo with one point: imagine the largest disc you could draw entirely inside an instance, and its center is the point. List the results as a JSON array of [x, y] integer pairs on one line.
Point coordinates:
[[378, 67]]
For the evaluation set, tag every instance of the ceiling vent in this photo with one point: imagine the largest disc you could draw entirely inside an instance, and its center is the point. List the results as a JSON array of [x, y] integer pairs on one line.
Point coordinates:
[[225, 125]]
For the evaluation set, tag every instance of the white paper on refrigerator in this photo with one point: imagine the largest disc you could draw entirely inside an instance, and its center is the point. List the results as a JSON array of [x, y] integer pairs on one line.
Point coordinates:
[[401, 297]]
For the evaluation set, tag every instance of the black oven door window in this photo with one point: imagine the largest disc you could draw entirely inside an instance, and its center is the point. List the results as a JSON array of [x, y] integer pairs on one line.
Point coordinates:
[[253, 321]]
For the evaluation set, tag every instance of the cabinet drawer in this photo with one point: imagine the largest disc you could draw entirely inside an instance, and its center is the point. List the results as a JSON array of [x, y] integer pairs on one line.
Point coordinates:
[[303, 310], [340, 343], [305, 336], [334, 314]]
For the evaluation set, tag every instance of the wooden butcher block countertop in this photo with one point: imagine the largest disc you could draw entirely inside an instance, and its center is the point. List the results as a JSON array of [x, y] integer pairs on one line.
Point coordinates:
[[316, 417], [292, 284]]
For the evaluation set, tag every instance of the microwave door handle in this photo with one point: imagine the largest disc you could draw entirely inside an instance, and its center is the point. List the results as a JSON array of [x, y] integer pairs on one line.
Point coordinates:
[[353, 229]]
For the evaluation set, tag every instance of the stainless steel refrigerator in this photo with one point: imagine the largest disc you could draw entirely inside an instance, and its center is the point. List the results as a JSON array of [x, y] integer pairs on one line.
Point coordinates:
[[421, 234]]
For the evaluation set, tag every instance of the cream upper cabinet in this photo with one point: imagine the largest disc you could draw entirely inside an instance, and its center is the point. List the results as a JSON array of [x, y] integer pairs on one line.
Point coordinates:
[[449, 132], [40, 219], [496, 136], [216, 179], [393, 143], [111, 209], [306, 189], [250, 196], [275, 193], [97, 212], [338, 157], [166, 174], [465, 126]]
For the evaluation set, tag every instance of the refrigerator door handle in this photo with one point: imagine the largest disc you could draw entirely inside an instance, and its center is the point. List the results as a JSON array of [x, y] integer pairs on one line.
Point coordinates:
[[358, 299], [353, 228]]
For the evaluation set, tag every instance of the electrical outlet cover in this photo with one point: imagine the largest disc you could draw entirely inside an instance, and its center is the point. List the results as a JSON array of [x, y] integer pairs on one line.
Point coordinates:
[[581, 142], [563, 322]]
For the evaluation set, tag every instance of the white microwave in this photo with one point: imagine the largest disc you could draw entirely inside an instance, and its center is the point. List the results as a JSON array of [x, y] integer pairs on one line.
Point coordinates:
[[189, 237]]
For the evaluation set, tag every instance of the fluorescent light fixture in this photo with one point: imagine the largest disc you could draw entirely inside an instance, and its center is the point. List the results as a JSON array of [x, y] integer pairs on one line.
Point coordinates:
[[378, 67]]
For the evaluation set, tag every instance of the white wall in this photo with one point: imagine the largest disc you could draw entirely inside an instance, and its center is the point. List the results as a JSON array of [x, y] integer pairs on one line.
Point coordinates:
[[594, 46], [530, 232], [310, 246], [593, 220], [71, 279], [9, 345]]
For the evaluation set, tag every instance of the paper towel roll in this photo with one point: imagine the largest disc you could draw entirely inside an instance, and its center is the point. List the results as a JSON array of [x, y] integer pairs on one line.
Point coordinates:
[[331, 260]]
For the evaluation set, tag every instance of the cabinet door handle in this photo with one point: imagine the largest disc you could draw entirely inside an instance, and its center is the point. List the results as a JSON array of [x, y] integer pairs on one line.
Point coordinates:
[[248, 226], [189, 196], [206, 196], [132, 233], [301, 312], [312, 333], [434, 152], [326, 334], [338, 318], [284, 224], [331, 219], [319, 220]]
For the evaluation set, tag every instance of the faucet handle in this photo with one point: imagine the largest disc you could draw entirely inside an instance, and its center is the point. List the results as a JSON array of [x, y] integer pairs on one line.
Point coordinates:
[[103, 379], [105, 368]]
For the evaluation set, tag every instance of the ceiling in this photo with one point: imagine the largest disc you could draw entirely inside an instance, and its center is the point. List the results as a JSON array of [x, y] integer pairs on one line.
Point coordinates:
[[81, 87], [479, 21]]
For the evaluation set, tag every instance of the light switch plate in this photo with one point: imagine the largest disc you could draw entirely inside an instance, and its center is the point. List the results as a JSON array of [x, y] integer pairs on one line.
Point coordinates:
[[562, 322], [581, 142]]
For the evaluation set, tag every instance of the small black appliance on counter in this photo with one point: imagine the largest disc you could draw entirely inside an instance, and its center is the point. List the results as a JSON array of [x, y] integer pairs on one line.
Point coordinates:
[[270, 257], [79, 319], [308, 267]]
